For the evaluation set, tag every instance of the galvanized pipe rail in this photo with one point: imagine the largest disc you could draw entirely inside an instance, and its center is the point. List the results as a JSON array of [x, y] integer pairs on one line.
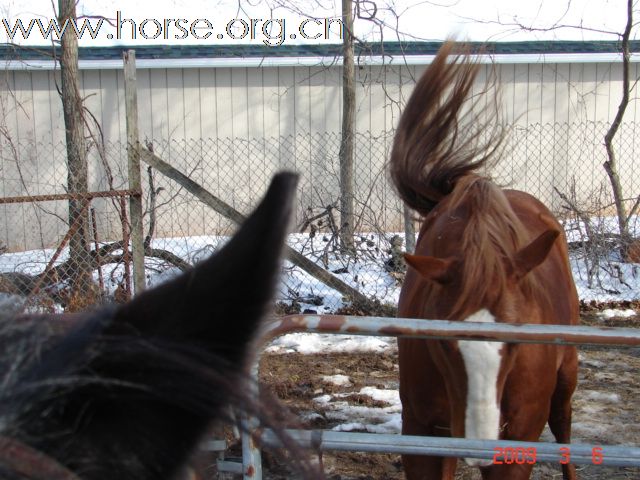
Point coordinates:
[[451, 330], [580, 454]]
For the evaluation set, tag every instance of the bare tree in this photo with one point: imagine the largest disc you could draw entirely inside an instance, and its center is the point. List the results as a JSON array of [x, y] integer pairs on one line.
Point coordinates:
[[611, 165], [77, 178], [347, 220], [372, 12]]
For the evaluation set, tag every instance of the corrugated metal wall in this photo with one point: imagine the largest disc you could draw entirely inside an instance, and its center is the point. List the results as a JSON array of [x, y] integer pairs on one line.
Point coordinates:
[[287, 116], [271, 102]]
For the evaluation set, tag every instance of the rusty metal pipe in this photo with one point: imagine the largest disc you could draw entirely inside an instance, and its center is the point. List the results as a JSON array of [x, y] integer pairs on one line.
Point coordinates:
[[454, 330]]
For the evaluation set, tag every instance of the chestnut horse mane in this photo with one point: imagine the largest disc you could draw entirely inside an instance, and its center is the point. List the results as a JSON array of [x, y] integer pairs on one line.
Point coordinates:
[[491, 239], [436, 141], [438, 151]]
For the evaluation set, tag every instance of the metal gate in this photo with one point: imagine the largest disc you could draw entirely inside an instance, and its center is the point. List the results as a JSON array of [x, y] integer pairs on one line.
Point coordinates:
[[614, 456]]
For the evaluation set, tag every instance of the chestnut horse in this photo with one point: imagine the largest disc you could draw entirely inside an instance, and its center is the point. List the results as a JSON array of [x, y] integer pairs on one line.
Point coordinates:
[[127, 392], [483, 255]]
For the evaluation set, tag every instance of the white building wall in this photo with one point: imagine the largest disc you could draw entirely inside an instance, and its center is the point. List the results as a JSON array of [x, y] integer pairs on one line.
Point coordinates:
[[290, 117]]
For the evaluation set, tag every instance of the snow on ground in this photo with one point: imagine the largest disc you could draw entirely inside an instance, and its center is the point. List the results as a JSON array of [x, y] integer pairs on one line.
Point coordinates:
[[309, 343], [339, 380], [382, 419], [617, 281], [616, 312], [603, 397], [605, 403]]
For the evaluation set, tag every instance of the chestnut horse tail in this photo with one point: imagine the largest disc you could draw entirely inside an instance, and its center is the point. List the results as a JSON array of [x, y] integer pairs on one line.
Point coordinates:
[[438, 138]]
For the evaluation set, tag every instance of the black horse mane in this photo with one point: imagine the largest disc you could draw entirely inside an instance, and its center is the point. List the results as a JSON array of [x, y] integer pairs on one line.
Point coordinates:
[[128, 391]]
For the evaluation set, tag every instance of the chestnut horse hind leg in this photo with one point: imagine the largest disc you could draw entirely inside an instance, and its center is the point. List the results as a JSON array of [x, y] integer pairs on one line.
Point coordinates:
[[560, 412]]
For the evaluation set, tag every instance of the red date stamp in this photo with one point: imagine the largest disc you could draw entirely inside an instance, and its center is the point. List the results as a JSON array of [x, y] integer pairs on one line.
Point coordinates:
[[521, 455]]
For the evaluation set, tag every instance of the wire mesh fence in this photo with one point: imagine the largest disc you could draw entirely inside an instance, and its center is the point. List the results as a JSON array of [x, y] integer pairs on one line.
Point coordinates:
[[559, 163]]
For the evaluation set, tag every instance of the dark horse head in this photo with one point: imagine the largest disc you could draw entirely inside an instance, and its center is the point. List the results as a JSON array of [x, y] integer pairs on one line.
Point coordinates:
[[127, 392]]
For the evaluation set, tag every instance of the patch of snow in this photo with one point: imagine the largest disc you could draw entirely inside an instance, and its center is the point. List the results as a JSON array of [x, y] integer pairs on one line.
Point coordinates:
[[392, 397], [393, 425], [592, 363], [344, 411], [624, 286], [349, 427], [322, 399], [592, 409], [614, 312], [590, 429], [601, 396], [309, 416], [312, 343], [340, 380], [369, 419]]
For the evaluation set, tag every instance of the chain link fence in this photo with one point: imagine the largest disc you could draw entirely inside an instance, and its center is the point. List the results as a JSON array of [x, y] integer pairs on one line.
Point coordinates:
[[559, 163]]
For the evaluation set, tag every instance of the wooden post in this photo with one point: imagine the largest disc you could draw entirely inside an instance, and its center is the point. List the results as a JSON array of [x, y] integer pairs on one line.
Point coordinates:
[[346, 154], [135, 183]]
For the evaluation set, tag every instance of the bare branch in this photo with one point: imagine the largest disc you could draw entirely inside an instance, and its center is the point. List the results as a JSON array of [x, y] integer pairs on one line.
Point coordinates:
[[610, 165]]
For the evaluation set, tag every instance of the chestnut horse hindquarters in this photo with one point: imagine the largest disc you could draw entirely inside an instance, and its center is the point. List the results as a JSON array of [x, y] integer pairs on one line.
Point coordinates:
[[483, 254]]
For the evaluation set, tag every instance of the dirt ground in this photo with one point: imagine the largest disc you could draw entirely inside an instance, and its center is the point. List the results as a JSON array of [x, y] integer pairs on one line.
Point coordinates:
[[605, 406]]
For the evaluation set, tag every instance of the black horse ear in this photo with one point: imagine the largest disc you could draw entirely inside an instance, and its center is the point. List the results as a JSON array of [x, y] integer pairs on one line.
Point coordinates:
[[219, 303], [153, 373]]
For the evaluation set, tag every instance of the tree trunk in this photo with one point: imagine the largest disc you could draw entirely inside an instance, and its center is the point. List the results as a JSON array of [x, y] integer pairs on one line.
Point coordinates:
[[347, 220], [76, 154], [611, 165]]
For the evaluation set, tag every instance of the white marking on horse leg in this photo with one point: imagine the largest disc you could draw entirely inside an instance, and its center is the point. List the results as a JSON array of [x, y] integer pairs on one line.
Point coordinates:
[[482, 363]]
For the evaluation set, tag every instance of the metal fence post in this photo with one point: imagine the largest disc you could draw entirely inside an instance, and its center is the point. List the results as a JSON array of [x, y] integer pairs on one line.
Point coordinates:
[[251, 455]]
